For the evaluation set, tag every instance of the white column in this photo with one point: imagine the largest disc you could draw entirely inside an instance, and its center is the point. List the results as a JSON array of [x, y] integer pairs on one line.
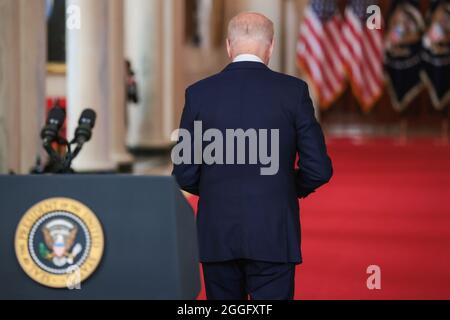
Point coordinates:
[[143, 49], [22, 82], [117, 83], [3, 142], [174, 60], [153, 37], [88, 75], [33, 57], [204, 20], [9, 87], [291, 26], [179, 64]]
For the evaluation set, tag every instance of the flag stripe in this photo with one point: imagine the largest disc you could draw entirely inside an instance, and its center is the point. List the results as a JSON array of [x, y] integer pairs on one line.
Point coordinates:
[[318, 52], [324, 56], [363, 55], [323, 75]]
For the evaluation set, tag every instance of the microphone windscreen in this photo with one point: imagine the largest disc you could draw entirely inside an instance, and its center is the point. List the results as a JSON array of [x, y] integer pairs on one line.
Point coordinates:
[[88, 117], [56, 116]]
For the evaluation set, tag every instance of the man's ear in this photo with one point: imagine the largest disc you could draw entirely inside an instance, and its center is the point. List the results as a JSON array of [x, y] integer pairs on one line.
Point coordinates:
[[229, 49], [268, 52], [272, 46]]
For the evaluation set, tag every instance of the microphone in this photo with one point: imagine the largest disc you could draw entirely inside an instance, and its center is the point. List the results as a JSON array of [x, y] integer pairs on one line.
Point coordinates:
[[55, 121], [85, 125]]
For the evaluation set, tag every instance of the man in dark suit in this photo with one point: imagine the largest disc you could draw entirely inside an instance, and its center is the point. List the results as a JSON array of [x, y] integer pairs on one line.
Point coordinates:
[[248, 213]]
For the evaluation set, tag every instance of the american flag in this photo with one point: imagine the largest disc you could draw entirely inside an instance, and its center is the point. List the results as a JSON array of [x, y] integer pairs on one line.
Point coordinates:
[[318, 51], [362, 51]]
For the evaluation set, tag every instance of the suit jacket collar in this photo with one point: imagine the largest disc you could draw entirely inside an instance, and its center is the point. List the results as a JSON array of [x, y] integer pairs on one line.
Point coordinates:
[[246, 65]]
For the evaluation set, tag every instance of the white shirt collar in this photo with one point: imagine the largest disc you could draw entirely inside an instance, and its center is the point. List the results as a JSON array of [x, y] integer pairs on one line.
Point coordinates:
[[247, 57]]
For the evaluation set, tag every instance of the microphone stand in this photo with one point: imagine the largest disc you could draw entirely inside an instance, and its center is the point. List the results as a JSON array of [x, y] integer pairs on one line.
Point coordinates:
[[70, 156], [61, 165]]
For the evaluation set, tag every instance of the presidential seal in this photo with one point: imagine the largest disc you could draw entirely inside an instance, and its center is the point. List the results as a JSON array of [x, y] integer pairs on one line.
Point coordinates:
[[57, 239]]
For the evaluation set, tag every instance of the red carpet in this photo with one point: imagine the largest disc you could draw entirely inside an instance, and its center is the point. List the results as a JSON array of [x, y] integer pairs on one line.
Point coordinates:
[[387, 205]]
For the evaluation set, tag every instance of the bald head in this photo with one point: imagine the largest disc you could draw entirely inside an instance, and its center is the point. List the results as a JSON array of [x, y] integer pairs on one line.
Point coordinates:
[[250, 33]]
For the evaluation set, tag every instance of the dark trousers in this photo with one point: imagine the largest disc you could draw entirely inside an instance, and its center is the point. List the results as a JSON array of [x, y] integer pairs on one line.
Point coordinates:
[[243, 279]]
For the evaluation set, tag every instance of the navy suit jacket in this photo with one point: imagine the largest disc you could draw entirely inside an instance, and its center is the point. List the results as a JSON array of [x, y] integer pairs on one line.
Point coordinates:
[[241, 213]]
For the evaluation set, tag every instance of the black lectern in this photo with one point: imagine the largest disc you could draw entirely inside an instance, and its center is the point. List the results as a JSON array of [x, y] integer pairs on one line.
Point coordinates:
[[147, 249]]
